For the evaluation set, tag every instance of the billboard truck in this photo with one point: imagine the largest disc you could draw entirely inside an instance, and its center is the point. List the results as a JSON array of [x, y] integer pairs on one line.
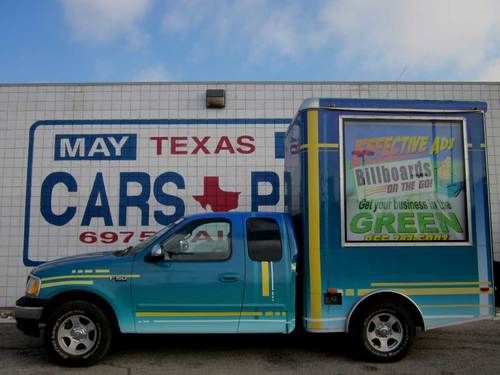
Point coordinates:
[[386, 229]]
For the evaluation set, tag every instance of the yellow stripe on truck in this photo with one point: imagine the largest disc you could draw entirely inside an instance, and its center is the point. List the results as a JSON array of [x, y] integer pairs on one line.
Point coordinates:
[[321, 145], [70, 282], [431, 291], [313, 218], [89, 277], [144, 314], [434, 283], [265, 278]]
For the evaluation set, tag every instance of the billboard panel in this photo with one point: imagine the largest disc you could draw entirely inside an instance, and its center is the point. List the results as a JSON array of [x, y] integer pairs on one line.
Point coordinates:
[[404, 180]]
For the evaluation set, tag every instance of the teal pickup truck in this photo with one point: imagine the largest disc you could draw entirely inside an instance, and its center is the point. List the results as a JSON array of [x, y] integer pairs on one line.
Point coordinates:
[[386, 230], [210, 273]]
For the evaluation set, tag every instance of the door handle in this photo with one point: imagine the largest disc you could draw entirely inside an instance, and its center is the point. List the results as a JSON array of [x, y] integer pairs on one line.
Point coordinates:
[[229, 277]]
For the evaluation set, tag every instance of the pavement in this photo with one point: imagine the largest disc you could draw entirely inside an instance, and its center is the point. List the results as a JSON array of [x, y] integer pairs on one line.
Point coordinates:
[[470, 348]]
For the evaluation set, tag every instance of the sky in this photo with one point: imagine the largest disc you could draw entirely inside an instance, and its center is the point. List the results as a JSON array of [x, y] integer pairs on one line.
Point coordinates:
[[245, 40]]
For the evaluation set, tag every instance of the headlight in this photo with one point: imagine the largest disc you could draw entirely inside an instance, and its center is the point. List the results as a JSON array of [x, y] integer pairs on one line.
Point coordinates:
[[32, 286]]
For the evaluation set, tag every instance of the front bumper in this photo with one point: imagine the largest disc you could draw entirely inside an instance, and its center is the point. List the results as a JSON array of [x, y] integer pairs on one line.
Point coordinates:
[[28, 313]]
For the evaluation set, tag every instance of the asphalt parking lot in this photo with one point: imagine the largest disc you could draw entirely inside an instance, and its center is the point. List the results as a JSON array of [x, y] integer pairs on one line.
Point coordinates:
[[470, 348]]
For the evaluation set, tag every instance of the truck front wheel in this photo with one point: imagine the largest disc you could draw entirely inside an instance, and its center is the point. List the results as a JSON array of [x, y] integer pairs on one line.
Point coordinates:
[[384, 332], [77, 334]]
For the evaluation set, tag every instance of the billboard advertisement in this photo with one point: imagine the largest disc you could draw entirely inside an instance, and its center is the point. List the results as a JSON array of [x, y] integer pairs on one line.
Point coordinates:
[[404, 181]]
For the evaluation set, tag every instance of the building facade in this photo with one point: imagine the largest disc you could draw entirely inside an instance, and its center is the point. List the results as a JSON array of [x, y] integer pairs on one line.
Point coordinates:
[[89, 167]]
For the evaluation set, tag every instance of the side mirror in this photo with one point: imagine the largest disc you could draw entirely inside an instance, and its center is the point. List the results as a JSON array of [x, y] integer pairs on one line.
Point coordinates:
[[156, 253]]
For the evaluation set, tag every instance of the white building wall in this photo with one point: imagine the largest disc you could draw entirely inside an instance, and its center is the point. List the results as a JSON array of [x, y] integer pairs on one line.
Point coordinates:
[[23, 105]]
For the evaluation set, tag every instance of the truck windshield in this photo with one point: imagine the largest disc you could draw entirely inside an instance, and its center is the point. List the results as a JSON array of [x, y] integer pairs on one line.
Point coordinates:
[[132, 250]]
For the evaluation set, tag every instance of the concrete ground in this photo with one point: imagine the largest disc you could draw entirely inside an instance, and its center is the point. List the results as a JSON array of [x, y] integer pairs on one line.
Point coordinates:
[[471, 348]]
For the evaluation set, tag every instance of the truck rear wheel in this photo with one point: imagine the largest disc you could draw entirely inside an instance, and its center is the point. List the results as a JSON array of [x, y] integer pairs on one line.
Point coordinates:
[[77, 334], [384, 332]]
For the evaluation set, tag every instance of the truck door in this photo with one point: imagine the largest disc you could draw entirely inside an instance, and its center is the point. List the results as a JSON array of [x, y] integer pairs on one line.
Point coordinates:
[[198, 287], [269, 286]]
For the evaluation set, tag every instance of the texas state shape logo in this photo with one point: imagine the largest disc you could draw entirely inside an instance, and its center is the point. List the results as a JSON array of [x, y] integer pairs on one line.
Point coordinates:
[[218, 199]]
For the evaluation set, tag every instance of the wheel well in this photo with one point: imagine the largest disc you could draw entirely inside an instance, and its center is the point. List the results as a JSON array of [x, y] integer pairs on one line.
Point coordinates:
[[80, 295], [386, 296]]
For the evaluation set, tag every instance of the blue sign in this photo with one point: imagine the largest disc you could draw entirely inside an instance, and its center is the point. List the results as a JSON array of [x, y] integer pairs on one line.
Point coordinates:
[[95, 147]]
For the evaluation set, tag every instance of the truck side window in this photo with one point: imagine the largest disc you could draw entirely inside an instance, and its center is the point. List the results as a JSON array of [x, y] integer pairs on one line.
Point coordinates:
[[264, 240], [200, 240]]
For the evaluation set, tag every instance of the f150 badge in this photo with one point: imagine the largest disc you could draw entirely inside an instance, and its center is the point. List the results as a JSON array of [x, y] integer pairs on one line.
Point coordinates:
[[118, 278]]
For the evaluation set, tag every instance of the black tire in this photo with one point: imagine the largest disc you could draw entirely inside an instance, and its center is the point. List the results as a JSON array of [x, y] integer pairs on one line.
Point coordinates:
[[383, 332], [77, 334]]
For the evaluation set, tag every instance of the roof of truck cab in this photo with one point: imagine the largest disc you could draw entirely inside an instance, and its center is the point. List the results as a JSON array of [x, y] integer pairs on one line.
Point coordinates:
[[244, 214], [393, 105]]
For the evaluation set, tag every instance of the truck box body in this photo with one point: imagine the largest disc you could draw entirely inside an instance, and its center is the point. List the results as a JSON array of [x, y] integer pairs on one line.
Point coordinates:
[[391, 196]]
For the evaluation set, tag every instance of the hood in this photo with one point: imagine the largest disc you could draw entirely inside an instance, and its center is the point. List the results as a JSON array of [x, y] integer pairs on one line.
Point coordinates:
[[83, 261]]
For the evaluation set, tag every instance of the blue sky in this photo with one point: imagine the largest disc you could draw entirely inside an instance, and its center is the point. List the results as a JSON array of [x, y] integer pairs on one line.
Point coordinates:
[[193, 40]]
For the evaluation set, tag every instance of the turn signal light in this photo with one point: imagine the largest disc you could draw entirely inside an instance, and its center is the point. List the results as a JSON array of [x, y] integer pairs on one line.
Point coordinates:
[[33, 286]]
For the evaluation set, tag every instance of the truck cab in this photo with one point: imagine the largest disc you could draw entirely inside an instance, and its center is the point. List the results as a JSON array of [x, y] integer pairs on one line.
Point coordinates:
[[208, 273]]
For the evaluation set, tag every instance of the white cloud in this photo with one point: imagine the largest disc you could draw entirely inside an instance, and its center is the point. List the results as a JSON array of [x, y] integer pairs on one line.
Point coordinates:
[[105, 20], [183, 15], [155, 73], [490, 72], [282, 33], [263, 28], [457, 36], [423, 33]]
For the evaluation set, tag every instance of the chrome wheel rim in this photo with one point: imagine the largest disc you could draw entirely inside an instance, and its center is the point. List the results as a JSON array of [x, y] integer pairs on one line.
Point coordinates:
[[384, 332], [77, 335]]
